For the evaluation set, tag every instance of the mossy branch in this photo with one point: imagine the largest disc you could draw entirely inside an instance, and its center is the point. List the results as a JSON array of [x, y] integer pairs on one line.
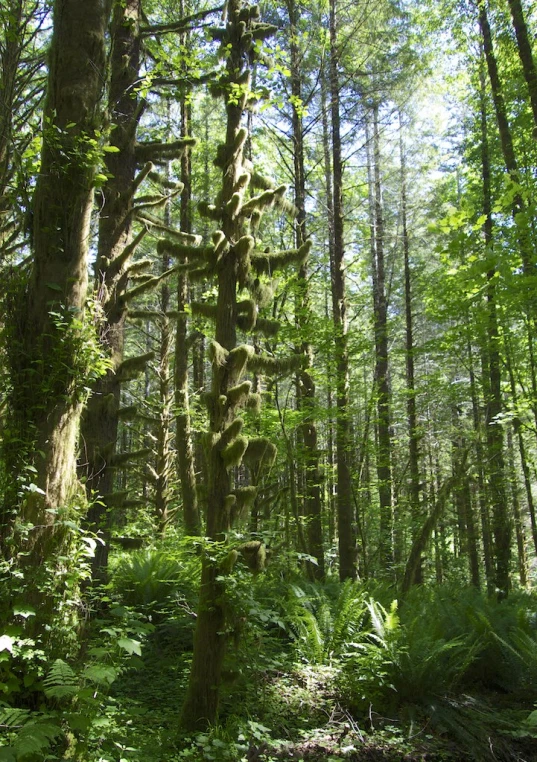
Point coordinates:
[[123, 458], [204, 309], [268, 328], [147, 285], [232, 454], [238, 395], [144, 314], [276, 366], [238, 360], [139, 265], [217, 354], [129, 369], [141, 176], [231, 432], [161, 180], [269, 263], [210, 211], [180, 250], [116, 264], [261, 452], [128, 413], [156, 151]]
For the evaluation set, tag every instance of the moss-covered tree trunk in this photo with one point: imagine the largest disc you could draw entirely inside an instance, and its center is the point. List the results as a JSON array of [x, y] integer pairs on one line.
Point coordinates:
[[49, 352], [101, 418]]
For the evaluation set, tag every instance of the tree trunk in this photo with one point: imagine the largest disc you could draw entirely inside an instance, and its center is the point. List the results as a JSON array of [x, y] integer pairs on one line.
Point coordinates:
[[346, 532], [525, 53], [46, 357], [101, 418], [305, 382]]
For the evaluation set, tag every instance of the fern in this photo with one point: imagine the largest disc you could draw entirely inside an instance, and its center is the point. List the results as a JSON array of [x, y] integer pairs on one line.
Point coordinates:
[[36, 737], [61, 682]]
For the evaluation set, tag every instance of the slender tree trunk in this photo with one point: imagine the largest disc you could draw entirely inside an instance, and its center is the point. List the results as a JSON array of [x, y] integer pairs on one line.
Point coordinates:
[[517, 514], [184, 445], [412, 418], [384, 445], [347, 543], [496, 465], [525, 52], [305, 382]]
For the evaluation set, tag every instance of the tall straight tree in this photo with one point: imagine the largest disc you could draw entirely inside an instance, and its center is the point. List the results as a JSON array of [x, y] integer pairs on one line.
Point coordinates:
[[525, 52], [346, 533], [306, 383]]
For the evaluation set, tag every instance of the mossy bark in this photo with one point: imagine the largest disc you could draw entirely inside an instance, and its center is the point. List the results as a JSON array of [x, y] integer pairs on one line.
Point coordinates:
[[101, 418], [47, 323]]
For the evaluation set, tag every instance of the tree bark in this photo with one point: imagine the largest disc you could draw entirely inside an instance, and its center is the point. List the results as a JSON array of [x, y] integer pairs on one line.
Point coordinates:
[[525, 53], [346, 532]]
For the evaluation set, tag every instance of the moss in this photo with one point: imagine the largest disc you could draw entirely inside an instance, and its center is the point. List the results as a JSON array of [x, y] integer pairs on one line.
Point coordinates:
[[253, 403], [164, 182], [139, 265], [141, 176], [261, 451], [243, 182], [204, 309], [233, 205], [276, 365], [267, 327], [258, 203], [128, 413], [209, 210], [268, 263], [232, 454], [245, 498], [238, 360], [231, 432], [180, 250], [254, 554], [263, 293], [217, 354], [247, 309], [123, 458], [237, 396], [178, 235], [244, 246], [209, 439], [129, 369]]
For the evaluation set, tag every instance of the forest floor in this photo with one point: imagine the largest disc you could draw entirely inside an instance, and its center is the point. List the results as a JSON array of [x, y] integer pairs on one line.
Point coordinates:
[[284, 716]]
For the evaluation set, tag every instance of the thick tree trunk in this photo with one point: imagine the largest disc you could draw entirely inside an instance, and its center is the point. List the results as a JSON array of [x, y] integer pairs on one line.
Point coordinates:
[[49, 333], [346, 532]]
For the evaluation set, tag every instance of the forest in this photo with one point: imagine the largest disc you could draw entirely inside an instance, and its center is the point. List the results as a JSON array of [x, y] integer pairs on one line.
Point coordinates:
[[268, 380]]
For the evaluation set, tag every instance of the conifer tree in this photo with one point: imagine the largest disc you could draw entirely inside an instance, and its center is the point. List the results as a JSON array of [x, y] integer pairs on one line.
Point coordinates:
[[238, 266]]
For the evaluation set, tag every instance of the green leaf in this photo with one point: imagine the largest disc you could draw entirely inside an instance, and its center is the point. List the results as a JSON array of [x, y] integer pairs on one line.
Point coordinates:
[[24, 611], [131, 646], [111, 149], [6, 643]]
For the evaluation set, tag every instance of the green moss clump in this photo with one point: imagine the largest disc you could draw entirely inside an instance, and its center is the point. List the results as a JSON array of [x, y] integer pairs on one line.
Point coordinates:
[[232, 455]]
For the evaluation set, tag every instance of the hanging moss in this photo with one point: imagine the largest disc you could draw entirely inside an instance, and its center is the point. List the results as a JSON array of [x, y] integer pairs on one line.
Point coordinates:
[[227, 564], [268, 328], [238, 360], [253, 403], [147, 285], [141, 176], [231, 432], [150, 200], [181, 250], [244, 246], [232, 454], [237, 396], [269, 263], [262, 31], [272, 366], [261, 451], [245, 498], [255, 555], [204, 309], [128, 413], [144, 314], [119, 459], [263, 293], [178, 235], [217, 354], [118, 262], [209, 210], [129, 369], [247, 314], [139, 265]]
